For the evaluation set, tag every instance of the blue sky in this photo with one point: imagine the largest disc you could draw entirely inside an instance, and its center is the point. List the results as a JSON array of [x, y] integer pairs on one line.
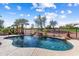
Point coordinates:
[[63, 13]]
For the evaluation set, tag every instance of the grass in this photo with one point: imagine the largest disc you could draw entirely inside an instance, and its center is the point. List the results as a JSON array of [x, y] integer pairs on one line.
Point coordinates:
[[71, 30]]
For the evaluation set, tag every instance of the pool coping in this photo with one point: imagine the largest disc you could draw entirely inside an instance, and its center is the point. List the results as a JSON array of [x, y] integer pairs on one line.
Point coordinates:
[[6, 49]]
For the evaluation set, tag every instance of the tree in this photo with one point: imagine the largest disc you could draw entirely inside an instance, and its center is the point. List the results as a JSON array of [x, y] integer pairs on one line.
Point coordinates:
[[53, 23], [1, 22], [44, 21], [48, 27], [40, 22], [12, 27], [69, 26], [21, 22]]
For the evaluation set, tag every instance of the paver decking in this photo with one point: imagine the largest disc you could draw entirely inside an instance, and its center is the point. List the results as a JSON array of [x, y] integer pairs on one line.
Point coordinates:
[[7, 49]]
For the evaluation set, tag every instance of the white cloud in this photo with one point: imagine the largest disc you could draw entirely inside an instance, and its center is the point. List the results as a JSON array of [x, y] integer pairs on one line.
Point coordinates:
[[69, 11], [18, 7], [39, 10], [76, 4], [35, 17], [35, 5], [48, 5], [40, 7], [30, 22], [69, 4], [12, 13], [62, 12], [22, 15], [61, 23], [8, 22], [50, 16], [62, 16], [28, 15], [7, 7], [44, 5]]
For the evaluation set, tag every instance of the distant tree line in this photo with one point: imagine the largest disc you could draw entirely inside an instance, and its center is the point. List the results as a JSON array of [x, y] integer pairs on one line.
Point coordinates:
[[40, 23]]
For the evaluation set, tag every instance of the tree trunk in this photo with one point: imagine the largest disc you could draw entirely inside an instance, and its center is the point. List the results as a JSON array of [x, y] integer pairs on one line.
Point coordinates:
[[53, 28], [17, 32], [41, 27], [13, 30]]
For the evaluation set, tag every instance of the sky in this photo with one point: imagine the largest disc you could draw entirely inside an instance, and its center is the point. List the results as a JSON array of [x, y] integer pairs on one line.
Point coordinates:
[[63, 13]]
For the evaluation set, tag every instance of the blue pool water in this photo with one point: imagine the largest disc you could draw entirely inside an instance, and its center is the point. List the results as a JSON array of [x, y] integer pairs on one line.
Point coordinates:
[[46, 43]]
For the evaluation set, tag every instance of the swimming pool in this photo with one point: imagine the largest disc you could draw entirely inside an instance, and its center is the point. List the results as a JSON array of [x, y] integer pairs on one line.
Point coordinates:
[[46, 43]]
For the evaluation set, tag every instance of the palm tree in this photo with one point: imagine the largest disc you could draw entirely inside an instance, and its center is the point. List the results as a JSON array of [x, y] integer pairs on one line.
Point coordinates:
[[13, 28], [40, 22], [21, 22], [53, 23]]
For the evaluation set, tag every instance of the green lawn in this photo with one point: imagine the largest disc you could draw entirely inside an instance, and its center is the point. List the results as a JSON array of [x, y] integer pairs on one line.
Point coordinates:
[[71, 30]]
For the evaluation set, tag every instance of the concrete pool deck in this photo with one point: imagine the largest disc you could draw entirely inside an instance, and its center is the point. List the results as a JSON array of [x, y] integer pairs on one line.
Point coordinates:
[[7, 49]]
